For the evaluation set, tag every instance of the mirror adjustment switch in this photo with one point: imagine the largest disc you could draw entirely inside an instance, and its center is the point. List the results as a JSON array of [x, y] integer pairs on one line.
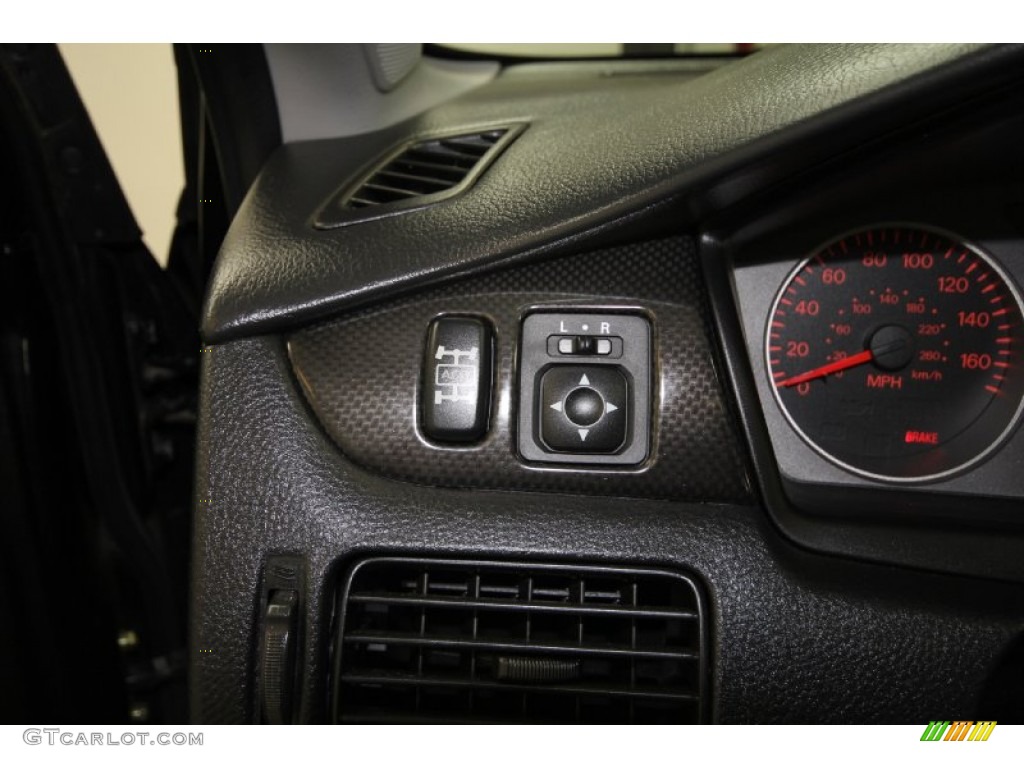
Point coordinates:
[[455, 398], [585, 386]]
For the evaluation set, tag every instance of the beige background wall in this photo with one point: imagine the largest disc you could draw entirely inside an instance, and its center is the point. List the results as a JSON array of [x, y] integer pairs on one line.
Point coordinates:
[[131, 94]]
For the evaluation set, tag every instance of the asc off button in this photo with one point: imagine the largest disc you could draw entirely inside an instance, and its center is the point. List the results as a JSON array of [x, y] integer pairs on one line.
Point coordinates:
[[455, 399]]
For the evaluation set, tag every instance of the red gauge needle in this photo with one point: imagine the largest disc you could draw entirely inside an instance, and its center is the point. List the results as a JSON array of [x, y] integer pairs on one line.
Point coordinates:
[[839, 365]]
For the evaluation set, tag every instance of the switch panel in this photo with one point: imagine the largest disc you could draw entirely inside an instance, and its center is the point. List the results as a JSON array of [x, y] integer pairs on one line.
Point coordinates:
[[584, 388], [455, 399]]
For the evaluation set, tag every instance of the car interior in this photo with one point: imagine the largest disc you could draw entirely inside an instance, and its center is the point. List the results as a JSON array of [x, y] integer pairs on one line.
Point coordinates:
[[682, 387]]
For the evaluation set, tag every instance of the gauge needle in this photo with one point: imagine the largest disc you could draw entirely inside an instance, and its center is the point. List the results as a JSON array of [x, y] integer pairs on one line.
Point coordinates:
[[839, 365]]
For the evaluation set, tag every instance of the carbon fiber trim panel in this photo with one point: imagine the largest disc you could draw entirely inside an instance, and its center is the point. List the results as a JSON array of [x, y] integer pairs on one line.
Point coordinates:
[[362, 373]]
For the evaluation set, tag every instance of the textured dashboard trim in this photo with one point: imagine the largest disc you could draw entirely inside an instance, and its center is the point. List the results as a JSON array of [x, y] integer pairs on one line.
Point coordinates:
[[362, 375]]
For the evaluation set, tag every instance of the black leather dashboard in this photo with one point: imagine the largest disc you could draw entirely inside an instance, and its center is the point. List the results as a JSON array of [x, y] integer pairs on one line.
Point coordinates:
[[628, 190], [598, 152]]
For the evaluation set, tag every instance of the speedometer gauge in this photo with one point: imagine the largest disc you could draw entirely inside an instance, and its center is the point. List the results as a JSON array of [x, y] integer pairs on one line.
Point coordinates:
[[895, 352]]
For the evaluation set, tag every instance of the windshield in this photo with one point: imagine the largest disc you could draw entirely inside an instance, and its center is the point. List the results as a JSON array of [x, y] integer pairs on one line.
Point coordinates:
[[601, 50]]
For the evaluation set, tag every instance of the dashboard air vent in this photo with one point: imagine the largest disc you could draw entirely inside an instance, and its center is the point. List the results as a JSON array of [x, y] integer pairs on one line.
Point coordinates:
[[461, 641], [417, 175]]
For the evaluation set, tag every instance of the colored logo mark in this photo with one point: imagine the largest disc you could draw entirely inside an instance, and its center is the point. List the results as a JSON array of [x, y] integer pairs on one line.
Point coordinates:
[[959, 730]]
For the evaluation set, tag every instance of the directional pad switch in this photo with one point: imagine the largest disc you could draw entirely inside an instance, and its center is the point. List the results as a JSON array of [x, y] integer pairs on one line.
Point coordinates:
[[583, 408]]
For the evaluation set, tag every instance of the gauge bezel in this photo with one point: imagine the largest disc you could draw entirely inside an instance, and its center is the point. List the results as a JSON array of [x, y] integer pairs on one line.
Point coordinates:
[[960, 468]]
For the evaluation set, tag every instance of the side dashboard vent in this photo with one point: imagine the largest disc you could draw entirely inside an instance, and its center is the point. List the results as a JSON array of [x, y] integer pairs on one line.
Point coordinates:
[[463, 641], [417, 175]]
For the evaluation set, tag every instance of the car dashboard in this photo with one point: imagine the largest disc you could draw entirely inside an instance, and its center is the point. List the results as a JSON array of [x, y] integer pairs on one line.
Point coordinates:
[[687, 402]]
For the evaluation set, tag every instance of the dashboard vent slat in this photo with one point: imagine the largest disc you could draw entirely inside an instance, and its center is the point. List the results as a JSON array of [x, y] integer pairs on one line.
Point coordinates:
[[390, 598], [581, 690], [376, 189], [411, 639], [417, 175], [466, 641], [419, 183]]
